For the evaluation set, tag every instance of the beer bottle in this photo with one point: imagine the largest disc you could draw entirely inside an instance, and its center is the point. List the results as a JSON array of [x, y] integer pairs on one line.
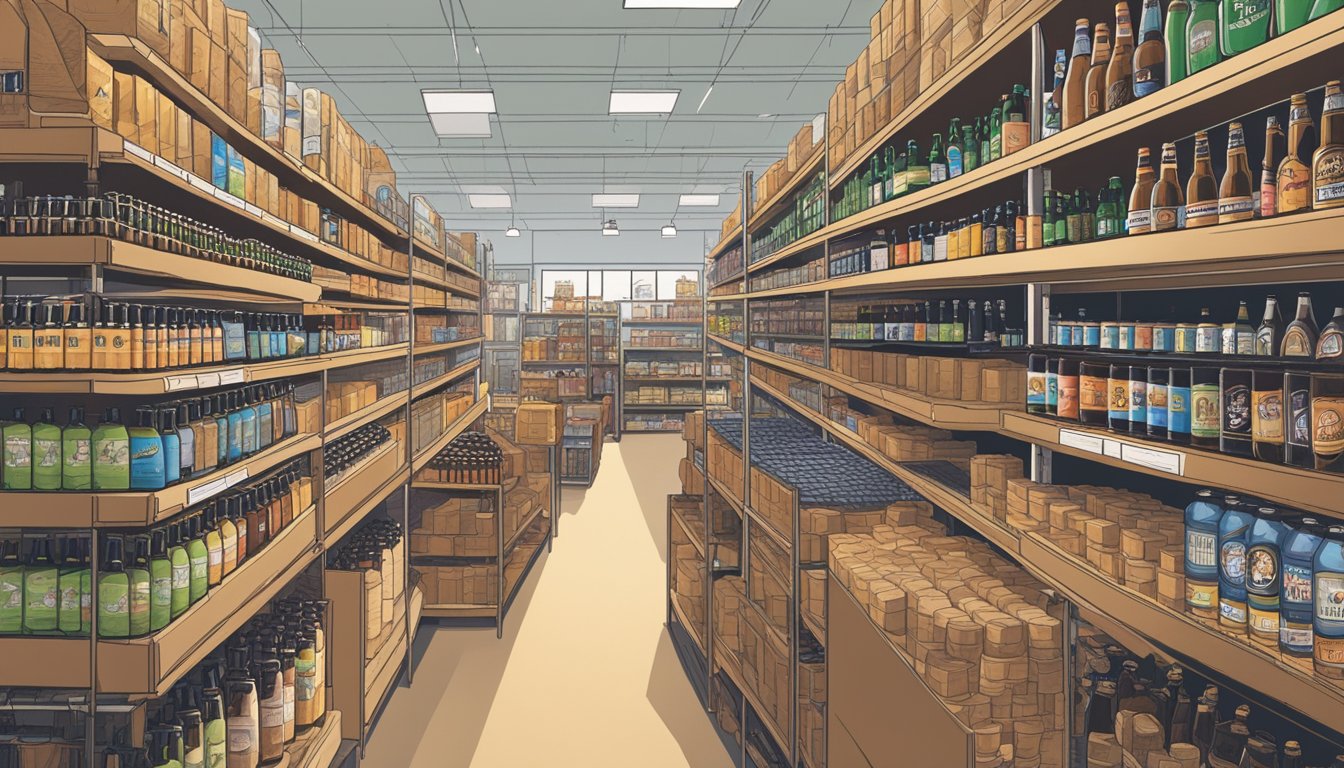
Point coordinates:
[[1167, 201], [1299, 338], [1294, 177], [1319, 9], [1108, 214], [1245, 24], [1178, 16], [1201, 191], [1289, 15], [995, 128], [1267, 336], [1096, 73], [1075, 82], [917, 172], [1269, 167], [937, 160], [970, 149], [1054, 100], [1234, 192], [1327, 165], [1330, 346], [1016, 126], [1120, 69], [955, 156], [1140, 217], [1150, 58], [1202, 49]]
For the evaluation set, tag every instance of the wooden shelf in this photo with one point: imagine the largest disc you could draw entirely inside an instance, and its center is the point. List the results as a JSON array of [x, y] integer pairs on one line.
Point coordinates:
[[522, 529], [318, 747], [429, 349], [119, 255], [777, 204], [727, 343], [127, 51], [675, 600], [89, 144], [356, 494], [425, 388], [350, 422], [476, 411], [59, 509], [695, 537], [726, 243]]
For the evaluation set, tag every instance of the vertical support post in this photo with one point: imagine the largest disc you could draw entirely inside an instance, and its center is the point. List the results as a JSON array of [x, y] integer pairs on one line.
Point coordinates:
[[704, 499], [1035, 85], [557, 499], [91, 715], [1038, 313], [794, 619], [826, 329], [500, 597], [410, 441]]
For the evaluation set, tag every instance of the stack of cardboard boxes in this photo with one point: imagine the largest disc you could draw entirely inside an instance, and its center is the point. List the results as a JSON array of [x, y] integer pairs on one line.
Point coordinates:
[[947, 378], [971, 625], [688, 570], [782, 171], [432, 415]]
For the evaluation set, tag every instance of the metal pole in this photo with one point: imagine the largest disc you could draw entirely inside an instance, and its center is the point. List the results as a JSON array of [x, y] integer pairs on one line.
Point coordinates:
[[794, 651], [91, 715], [499, 536], [410, 441], [704, 500]]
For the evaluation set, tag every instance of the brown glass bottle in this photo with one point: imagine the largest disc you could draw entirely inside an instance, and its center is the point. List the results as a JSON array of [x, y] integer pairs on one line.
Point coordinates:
[[1234, 192], [1267, 415], [1096, 73], [1201, 191], [1330, 345], [1294, 177], [1327, 165], [1269, 168], [1140, 218], [1120, 69], [1075, 82], [1299, 338], [1093, 399], [1167, 200]]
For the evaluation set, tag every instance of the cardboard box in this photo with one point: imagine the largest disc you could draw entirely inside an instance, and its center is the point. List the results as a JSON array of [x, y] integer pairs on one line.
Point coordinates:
[[219, 75], [538, 423], [146, 20], [46, 45], [272, 98], [146, 114], [123, 106], [292, 131], [167, 125], [98, 84], [198, 68]]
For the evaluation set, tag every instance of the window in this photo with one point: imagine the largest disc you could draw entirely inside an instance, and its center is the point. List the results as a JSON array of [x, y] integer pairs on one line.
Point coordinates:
[[644, 285], [620, 284], [669, 281], [616, 285]]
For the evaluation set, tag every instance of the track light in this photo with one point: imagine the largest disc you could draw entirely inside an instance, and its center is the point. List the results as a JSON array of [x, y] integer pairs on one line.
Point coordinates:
[[670, 230], [609, 229], [512, 232]]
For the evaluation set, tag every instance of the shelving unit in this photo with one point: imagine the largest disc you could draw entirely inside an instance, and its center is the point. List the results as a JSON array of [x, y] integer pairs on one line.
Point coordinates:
[[649, 385]]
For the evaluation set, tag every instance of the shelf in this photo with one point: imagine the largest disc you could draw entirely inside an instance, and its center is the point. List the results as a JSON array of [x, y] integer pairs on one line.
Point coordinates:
[[1183, 360], [362, 489], [735, 675], [58, 509], [665, 321], [727, 297], [430, 485], [318, 747], [119, 255], [476, 411], [87, 145], [727, 343], [1302, 489], [696, 538], [459, 611], [661, 349], [120, 49], [573, 363], [818, 631], [429, 349], [774, 206], [149, 666], [522, 529], [723, 245], [672, 378], [349, 423], [726, 494], [425, 388]]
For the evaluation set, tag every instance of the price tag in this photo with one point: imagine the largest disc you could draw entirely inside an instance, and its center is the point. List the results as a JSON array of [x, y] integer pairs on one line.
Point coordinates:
[[1081, 441], [206, 490], [275, 220], [172, 168], [295, 229], [1164, 461], [1113, 448], [234, 376], [201, 184], [137, 150], [233, 200], [208, 380], [235, 478], [252, 209], [179, 383]]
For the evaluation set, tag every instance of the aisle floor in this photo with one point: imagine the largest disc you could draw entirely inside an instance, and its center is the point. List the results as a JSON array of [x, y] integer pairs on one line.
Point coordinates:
[[586, 674]]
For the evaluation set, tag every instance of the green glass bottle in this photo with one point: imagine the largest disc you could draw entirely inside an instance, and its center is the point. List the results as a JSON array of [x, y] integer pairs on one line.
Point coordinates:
[[46, 453], [76, 453], [216, 729], [114, 592], [165, 746], [1178, 18], [40, 596], [982, 135], [1289, 15], [1323, 7], [180, 563], [199, 558], [18, 453], [956, 157], [917, 171], [138, 574], [111, 453], [1201, 36], [970, 148], [1243, 24], [72, 580], [1106, 214], [996, 130], [86, 595], [937, 160], [11, 588], [160, 581]]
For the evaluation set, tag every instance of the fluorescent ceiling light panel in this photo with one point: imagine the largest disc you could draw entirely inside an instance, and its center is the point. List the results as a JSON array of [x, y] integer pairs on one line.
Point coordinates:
[[461, 125], [642, 102], [689, 201], [489, 201], [459, 102], [615, 201], [635, 4]]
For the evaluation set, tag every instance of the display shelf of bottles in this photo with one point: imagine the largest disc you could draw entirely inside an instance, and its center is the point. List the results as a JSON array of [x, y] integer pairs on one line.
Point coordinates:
[[429, 349], [357, 494], [382, 671], [127, 51], [120, 509], [132, 258], [378, 409], [466, 420], [84, 145], [456, 373], [766, 210], [318, 747], [734, 237]]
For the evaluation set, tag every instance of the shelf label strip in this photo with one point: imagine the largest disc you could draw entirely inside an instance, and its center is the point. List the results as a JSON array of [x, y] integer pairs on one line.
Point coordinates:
[[179, 383], [172, 168], [1171, 462], [1081, 441], [233, 376], [214, 487], [137, 150]]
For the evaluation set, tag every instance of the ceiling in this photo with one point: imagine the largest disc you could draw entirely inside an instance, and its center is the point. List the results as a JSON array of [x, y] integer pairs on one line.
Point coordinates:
[[773, 65]]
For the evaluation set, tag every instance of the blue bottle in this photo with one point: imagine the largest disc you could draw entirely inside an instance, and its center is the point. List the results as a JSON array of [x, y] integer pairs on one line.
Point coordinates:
[[172, 446], [187, 436], [220, 414], [1234, 532], [265, 336], [1263, 566], [147, 471], [247, 418], [279, 337], [265, 418], [1295, 607], [234, 418], [1328, 570], [253, 337], [1201, 555], [1178, 406]]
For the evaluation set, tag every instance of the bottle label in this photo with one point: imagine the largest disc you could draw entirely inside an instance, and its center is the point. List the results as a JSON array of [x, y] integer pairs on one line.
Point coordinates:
[[242, 734], [1203, 48], [1232, 563], [1201, 549], [1148, 80], [1157, 405], [1068, 397], [1138, 401], [1036, 388], [1235, 209], [1208, 339], [1330, 619], [1327, 419], [1267, 417], [1016, 136], [1051, 389], [1294, 187], [1299, 418], [1178, 410], [917, 176], [1329, 171], [954, 162], [1206, 419], [1165, 217], [1092, 393], [1262, 571], [1296, 586], [1331, 344], [1296, 343], [273, 710], [1139, 221], [1201, 214], [1237, 409], [1119, 398], [181, 577], [937, 172], [1119, 93], [46, 453], [161, 590], [1201, 595]]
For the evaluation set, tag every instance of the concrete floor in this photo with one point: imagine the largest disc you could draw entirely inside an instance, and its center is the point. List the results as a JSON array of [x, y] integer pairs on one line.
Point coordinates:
[[586, 674]]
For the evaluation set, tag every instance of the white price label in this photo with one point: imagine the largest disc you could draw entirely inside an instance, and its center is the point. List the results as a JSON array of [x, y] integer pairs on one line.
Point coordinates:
[[1081, 441], [1165, 461], [172, 168], [179, 383], [208, 380], [275, 220], [206, 490], [295, 229], [234, 376], [1113, 448], [236, 202], [235, 478], [137, 150], [253, 209], [201, 184]]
